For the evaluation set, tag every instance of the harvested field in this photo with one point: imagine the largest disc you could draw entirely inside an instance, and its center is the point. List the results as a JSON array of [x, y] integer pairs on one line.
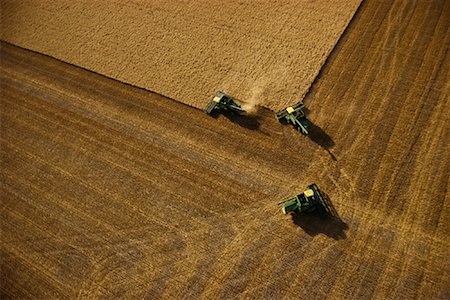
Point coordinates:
[[269, 51], [111, 191]]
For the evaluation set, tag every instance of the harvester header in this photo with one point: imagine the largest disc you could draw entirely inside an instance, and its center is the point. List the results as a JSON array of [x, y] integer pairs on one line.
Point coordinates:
[[220, 103]]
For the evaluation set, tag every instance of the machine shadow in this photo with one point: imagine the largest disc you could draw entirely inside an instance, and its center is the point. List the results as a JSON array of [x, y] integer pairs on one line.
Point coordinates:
[[313, 224], [321, 138], [246, 121]]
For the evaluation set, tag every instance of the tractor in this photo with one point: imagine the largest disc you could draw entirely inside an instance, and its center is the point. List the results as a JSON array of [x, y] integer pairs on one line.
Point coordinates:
[[295, 116], [308, 201], [221, 103]]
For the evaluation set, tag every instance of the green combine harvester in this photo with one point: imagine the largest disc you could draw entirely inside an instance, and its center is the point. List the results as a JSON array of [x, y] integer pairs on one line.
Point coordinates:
[[308, 201], [294, 115], [221, 103]]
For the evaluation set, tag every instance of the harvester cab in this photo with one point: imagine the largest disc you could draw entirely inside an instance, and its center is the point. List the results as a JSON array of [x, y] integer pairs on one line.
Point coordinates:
[[295, 116], [221, 102], [308, 201]]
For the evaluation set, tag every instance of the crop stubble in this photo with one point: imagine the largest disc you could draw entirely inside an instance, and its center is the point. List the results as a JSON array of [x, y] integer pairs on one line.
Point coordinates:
[[269, 51], [108, 190]]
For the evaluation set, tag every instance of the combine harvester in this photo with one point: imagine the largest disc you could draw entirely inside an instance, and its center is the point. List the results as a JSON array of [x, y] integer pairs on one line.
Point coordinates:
[[308, 201], [295, 116], [222, 103]]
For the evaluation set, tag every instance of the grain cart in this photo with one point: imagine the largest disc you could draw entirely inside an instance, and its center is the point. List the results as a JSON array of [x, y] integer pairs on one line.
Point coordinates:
[[222, 102], [310, 200], [294, 115]]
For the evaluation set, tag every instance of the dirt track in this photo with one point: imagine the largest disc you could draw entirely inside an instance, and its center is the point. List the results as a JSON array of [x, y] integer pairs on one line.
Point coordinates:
[[108, 190]]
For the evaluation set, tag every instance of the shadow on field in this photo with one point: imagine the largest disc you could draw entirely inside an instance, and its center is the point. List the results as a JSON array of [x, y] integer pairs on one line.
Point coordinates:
[[320, 137], [246, 121], [313, 224]]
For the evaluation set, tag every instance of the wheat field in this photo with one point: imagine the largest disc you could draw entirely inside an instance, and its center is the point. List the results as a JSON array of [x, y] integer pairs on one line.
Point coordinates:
[[111, 191]]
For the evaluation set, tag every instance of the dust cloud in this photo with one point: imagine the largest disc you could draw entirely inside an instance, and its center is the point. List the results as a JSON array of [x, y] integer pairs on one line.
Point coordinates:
[[257, 95], [252, 104]]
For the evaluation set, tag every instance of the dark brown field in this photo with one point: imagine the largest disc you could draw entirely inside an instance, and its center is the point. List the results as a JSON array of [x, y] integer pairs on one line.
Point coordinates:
[[112, 191]]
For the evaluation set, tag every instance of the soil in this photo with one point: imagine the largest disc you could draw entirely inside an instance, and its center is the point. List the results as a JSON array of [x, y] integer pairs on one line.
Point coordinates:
[[111, 191], [268, 51]]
